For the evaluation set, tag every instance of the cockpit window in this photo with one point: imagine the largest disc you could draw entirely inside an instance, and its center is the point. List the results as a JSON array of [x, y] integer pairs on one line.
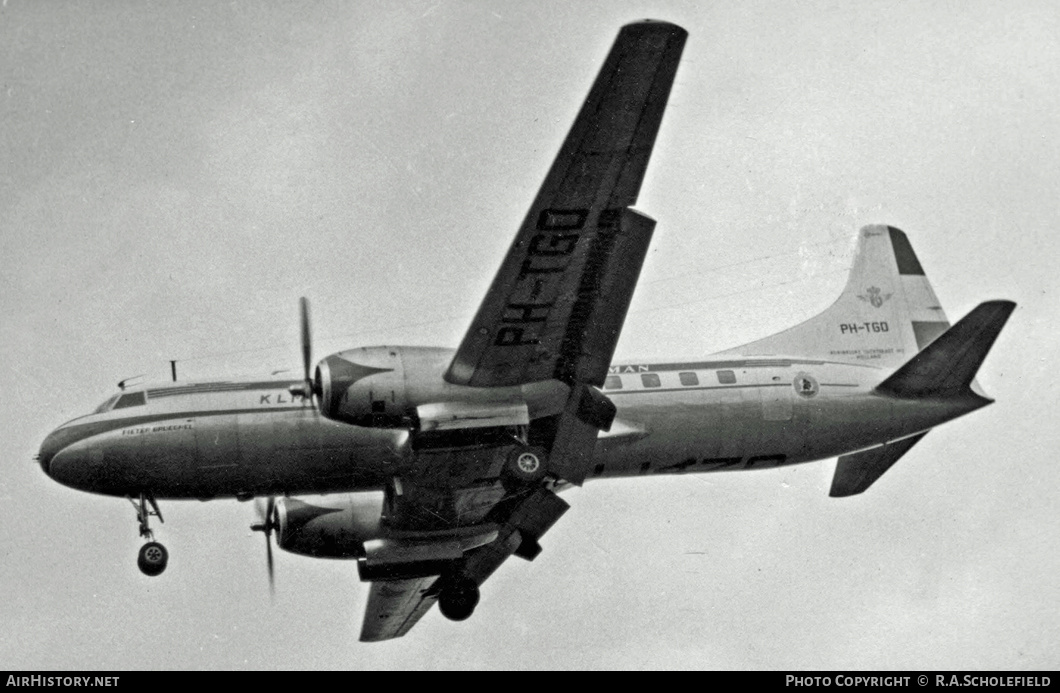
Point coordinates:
[[106, 405], [133, 399]]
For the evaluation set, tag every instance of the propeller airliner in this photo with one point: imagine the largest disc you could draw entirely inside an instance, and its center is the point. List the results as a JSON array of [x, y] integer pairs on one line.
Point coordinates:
[[430, 467]]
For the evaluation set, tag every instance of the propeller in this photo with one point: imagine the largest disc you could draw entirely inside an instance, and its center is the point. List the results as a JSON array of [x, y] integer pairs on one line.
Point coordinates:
[[307, 388], [267, 515]]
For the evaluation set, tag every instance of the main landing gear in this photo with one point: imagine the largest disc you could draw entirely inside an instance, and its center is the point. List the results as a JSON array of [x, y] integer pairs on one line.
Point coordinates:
[[458, 599], [526, 464], [153, 556]]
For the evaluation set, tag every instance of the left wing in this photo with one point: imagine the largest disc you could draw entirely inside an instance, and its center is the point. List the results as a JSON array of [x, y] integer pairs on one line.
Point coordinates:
[[557, 304], [456, 497], [394, 607]]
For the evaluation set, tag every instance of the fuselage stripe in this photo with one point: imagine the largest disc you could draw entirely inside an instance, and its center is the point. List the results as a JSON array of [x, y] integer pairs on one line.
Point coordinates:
[[634, 368], [197, 388], [644, 390]]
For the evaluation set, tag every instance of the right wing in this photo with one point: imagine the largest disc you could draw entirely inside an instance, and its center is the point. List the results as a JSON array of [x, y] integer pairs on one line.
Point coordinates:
[[557, 304]]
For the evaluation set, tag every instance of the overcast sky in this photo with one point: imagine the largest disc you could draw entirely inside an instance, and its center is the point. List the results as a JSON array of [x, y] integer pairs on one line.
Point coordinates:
[[175, 175]]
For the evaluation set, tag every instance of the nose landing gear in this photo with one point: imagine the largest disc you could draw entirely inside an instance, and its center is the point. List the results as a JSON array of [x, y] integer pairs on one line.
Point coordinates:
[[153, 557]]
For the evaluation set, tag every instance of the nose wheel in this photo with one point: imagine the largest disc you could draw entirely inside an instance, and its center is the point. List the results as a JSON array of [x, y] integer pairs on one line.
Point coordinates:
[[153, 557]]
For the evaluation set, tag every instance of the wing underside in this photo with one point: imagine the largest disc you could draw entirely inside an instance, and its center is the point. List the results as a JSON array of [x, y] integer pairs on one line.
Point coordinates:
[[454, 494], [557, 304], [394, 607]]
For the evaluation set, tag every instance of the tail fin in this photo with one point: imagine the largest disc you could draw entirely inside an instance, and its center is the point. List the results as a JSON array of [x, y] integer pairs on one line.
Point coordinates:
[[947, 367], [885, 315]]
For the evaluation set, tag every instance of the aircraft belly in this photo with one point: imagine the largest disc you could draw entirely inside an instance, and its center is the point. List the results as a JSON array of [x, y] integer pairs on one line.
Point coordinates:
[[301, 452], [682, 431], [238, 454], [156, 455], [218, 460], [755, 429]]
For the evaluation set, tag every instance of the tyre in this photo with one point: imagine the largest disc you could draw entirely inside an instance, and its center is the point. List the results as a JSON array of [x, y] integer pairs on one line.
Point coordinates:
[[152, 559], [457, 602], [527, 464]]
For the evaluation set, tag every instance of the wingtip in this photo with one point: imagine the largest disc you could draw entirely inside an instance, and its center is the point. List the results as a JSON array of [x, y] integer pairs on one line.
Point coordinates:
[[656, 24], [1003, 303]]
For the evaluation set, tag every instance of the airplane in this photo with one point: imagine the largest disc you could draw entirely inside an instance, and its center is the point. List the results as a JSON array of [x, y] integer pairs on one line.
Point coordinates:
[[431, 466]]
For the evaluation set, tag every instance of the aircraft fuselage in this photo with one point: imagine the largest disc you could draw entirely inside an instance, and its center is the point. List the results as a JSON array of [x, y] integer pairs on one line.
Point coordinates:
[[253, 438]]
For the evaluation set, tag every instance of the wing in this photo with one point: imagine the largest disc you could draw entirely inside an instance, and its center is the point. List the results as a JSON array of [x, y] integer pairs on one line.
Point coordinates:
[[394, 607], [553, 312], [556, 307]]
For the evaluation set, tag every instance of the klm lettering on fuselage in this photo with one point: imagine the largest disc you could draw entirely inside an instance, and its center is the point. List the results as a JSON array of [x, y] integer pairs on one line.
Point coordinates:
[[619, 370], [280, 398]]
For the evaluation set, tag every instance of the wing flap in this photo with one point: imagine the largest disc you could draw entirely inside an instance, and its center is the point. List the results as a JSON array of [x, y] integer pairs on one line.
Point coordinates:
[[394, 607]]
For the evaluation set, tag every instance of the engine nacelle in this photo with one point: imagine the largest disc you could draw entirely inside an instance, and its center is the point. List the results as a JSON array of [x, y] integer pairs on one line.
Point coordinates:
[[350, 526], [329, 526], [365, 387], [403, 387]]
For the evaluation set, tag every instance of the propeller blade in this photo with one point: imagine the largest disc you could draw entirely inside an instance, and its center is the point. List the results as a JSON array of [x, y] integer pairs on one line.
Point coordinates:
[[306, 389], [267, 513], [259, 510], [272, 574], [306, 344]]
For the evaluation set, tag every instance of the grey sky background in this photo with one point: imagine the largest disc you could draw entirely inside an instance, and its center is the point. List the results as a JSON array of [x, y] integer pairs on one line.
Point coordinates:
[[175, 175]]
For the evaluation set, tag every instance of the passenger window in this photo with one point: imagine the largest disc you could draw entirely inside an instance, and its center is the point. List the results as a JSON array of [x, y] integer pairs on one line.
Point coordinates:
[[726, 377], [688, 378], [650, 379], [612, 382], [133, 399]]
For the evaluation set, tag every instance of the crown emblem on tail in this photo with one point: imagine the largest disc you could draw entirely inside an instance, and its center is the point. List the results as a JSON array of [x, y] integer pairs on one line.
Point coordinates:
[[875, 296]]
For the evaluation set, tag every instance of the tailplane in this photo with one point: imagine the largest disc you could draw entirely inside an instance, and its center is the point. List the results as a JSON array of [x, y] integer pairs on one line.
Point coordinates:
[[856, 472], [947, 368], [886, 314]]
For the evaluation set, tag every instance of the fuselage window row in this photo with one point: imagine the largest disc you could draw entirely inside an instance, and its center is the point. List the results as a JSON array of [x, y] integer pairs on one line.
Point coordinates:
[[686, 378]]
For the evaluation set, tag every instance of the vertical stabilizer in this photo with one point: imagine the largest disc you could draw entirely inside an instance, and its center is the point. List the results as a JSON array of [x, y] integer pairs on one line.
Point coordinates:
[[886, 314]]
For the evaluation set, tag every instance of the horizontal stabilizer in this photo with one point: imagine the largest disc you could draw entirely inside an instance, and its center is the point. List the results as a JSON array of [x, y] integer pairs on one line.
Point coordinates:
[[855, 473], [947, 366]]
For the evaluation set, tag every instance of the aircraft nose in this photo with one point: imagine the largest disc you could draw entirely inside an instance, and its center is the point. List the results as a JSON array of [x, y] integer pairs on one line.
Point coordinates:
[[69, 468], [62, 458], [48, 449]]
